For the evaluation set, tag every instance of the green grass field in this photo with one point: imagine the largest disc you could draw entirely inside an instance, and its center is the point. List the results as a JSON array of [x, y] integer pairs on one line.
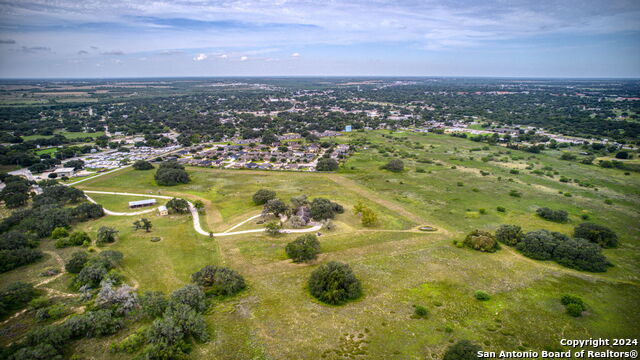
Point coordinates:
[[67, 134], [276, 318]]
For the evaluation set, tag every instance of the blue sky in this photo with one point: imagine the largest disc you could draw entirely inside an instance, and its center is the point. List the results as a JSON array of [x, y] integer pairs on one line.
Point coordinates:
[[147, 38]]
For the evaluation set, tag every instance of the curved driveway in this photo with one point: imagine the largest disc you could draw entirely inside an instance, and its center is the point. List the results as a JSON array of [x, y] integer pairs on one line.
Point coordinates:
[[195, 216]]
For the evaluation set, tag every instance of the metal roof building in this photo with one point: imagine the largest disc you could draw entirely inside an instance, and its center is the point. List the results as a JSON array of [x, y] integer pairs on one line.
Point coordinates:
[[142, 203]]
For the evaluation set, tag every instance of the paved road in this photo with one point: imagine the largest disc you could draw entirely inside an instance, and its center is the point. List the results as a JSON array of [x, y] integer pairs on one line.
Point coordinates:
[[196, 217]]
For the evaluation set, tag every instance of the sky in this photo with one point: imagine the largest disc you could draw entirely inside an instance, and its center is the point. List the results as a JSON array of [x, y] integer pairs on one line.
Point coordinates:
[[175, 38]]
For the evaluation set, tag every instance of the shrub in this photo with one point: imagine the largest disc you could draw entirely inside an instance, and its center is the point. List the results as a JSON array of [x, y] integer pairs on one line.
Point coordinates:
[[327, 164], [462, 350], [509, 234], [482, 211], [481, 295], [574, 310], [142, 165], [11, 259], [552, 215], [571, 299], [482, 241], [580, 254], [369, 217], [262, 196], [334, 283], [598, 234], [273, 228], [303, 248], [515, 193], [420, 311], [77, 262], [219, 280], [501, 209], [59, 233], [75, 239], [106, 235], [153, 303], [190, 295], [395, 165], [540, 244], [15, 296]]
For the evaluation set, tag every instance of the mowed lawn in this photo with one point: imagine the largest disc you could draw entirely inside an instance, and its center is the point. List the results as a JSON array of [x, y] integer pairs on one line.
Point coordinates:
[[164, 265], [276, 318], [120, 203]]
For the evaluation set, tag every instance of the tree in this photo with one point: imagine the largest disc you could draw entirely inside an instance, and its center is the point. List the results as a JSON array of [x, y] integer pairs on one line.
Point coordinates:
[[395, 165], [481, 240], [322, 209], [269, 138], [143, 223], [327, 164], [75, 164], [179, 206], [303, 248], [622, 155], [142, 165], [171, 173], [262, 196], [106, 235], [199, 205], [77, 262], [219, 280], [276, 207], [462, 350], [87, 211], [273, 228], [509, 234], [334, 283], [598, 234]]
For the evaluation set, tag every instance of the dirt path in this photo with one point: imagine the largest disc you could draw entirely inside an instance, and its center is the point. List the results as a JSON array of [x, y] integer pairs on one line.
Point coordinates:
[[51, 292], [196, 217], [371, 195]]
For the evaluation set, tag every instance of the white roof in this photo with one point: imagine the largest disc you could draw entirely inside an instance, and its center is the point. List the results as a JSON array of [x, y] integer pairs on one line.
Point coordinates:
[[162, 208], [59, 170]]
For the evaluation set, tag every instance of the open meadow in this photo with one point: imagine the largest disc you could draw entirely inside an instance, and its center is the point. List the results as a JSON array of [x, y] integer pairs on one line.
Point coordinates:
[[445, 184]]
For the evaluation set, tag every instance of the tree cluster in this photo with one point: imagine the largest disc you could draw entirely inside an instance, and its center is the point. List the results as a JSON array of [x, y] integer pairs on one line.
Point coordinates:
[[171, 173]]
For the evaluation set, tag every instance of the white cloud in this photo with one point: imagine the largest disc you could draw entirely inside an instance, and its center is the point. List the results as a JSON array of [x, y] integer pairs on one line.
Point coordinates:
[[223, 56], [295, 55], [244, 58], [200, 57]]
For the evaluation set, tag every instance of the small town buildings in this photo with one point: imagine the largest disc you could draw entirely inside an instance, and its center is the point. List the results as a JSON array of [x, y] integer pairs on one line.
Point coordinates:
[[68, 172], [141, 203], [162, 210]]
